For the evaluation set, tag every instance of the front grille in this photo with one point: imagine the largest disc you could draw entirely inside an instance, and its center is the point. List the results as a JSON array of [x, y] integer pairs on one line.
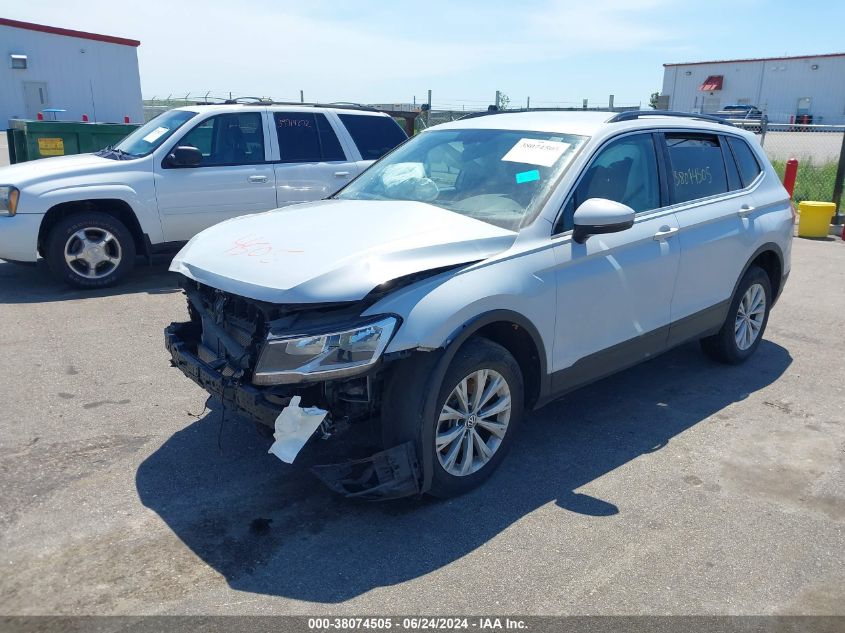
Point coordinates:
[[232, 328]]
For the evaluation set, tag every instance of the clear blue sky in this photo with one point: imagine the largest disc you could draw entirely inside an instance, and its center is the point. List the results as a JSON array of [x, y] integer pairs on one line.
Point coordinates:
[[556, 52]]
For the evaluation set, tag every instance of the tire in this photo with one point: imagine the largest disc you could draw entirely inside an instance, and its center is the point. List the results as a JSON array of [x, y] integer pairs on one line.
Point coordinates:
[[729, 345], [110, 249], [453, 473]]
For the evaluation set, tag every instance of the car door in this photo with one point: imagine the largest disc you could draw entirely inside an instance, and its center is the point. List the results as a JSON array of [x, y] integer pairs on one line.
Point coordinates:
[[310, 162], [715, 215], [234, 177], [614, 291]]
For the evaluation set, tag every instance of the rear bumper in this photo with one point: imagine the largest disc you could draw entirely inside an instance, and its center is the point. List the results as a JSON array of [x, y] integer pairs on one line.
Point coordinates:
[[243, 398], [19, 237]]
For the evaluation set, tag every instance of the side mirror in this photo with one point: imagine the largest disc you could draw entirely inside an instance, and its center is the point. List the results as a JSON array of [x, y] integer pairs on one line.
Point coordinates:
[[184, 156], [598, 215]]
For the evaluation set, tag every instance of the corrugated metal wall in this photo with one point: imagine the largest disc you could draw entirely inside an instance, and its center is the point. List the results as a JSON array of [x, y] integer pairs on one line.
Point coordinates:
[[775, 86], [83, 76]]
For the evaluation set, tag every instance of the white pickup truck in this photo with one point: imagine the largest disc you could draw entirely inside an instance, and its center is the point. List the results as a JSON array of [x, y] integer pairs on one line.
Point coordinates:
[[89, 215]]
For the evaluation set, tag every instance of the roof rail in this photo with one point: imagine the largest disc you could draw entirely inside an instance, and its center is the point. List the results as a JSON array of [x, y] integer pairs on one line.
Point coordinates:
[[480, 113], [258, 101], [632, 115]]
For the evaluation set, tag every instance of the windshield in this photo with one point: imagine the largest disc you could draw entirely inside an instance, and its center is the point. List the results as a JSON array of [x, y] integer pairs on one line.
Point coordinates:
[[155, 132], [497, 176]]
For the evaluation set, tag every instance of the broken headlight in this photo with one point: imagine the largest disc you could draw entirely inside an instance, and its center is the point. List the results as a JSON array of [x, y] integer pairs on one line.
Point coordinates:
[[323, 356], [8, 199]]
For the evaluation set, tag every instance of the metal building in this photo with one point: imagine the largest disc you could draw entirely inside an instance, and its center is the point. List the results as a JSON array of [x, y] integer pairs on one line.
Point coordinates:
[[49, 68], [784, 88]]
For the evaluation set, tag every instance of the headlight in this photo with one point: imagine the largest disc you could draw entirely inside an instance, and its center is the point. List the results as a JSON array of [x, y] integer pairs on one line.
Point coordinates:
[[323, 356], [9, 199]]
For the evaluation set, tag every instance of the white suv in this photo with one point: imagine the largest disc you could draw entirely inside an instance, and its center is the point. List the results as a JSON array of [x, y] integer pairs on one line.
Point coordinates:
[[88, 215], [487, 265]]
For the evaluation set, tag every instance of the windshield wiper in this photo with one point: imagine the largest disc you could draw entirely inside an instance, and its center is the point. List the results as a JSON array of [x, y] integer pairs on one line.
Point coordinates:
[[112, 152], [123, 155]]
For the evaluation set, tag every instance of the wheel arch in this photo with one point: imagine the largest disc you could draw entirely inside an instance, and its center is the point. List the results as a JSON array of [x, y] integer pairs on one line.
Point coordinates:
[[517, 334], [510, 329], [769, 257], [117, 208]]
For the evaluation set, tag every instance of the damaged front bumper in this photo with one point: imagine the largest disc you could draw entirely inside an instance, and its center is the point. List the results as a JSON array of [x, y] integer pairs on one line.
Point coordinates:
[[235, 395], [388, 474]]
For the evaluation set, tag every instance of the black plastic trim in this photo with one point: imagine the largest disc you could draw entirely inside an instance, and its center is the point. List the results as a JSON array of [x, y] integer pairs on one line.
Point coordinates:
[[634, 351], [632, 115], [241, 397], [582, 231]]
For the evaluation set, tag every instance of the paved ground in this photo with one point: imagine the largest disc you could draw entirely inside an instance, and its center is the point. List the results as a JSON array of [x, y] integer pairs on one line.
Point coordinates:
[[677, 487]]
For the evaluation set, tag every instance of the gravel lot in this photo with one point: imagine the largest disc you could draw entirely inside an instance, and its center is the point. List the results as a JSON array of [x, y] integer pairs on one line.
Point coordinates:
[[678, 487]]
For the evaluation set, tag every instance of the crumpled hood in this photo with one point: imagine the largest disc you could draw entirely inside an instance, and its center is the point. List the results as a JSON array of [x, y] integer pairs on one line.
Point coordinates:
[[49, 169], [333, 250]]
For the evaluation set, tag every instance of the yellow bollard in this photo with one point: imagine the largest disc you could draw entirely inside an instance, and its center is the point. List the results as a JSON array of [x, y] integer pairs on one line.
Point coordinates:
[[814, 220]]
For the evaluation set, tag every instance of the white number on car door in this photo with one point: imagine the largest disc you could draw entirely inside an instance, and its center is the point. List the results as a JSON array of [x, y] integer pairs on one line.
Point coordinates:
[[312, 164]]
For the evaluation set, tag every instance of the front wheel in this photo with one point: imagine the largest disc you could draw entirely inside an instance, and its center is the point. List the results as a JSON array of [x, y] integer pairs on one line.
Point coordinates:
[[475, 417], [90, 250], [748, 315]]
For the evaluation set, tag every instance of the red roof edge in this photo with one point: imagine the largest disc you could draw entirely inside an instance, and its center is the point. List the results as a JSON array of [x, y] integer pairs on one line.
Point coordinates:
[[29, 26], [757, 59]]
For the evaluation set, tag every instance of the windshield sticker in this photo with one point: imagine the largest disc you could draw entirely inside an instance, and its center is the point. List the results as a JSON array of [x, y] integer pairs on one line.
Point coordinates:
[[156, 134], [527, 176], [536, 152]]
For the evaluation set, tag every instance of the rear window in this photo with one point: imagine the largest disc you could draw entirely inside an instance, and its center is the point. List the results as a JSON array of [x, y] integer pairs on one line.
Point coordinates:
[[698, 169], [747, 163], [373, 135], [306, 137]]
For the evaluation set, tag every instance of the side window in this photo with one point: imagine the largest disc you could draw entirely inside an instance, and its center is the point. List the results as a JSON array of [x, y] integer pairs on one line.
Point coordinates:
[[698, 168], [624, 171], [749, 168], [306, 137], [373, 135], [228, 139]]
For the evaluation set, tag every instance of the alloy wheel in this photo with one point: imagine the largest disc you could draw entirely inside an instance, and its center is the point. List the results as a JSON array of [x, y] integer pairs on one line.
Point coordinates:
[[749, 316], [93, 252], [473, 422]]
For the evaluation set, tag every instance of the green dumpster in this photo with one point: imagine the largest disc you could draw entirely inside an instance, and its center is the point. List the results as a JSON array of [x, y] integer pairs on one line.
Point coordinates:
[[29, 140]]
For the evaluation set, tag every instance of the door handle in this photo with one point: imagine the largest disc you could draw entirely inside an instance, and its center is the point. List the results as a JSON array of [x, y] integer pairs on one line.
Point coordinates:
[[664, 232], [257, 179], [745, 210], [341, 174]]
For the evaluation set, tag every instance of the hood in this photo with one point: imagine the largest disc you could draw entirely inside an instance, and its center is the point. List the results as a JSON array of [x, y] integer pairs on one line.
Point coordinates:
[[49, 169], [334, 250]]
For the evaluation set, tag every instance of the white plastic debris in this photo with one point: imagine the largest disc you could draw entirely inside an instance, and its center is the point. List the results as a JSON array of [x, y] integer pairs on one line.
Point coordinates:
[[293, 428]]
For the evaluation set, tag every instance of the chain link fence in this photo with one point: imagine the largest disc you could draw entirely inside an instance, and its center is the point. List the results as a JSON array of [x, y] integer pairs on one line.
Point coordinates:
[[818, 150]]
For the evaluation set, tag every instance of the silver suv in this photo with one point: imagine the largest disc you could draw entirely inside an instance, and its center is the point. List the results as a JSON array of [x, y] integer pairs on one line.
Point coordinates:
[[486, 266]]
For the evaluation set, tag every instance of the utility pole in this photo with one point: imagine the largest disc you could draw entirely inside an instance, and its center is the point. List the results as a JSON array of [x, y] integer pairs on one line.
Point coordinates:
[[302, 96], [429, 100]]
